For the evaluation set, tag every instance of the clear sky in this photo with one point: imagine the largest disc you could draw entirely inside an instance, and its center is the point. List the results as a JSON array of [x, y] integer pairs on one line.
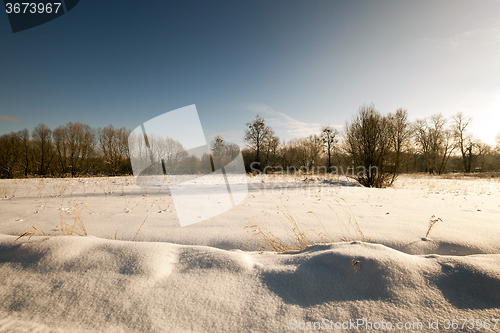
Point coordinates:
[[300, 64]]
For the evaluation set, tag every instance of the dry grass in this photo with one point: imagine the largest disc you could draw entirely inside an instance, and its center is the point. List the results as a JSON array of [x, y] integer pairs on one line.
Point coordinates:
[[40, 187], [7, 191], [296, 236], [356, 264], [293, 239], [124, 193], [74, 226], [127, 209], [472, 175], [71, 221], [84, 184], [457, 184], [137, 232], [57, 190], [350, 230], [33, 232], [432, 221], [41, 205], [106, 188], [325, 236]]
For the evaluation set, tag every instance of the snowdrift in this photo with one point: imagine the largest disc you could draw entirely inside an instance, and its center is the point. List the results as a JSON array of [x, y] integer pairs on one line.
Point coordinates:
[[395, 280]]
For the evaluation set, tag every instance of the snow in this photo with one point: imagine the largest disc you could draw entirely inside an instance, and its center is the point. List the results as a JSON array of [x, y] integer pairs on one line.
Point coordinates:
[[215, 276]]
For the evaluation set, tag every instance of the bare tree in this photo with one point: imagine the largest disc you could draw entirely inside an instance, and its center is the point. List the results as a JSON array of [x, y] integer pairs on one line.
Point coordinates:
[[74, 144], [223, 153], [8, 152], [25, 152], [435, 141], [114, 149], [168, 150], [81, 147], [297, 152], [257, 136], [464, 140], [329, 138], [43, 148], [422, 138], [314, 147], [60, 136], [367, 143], [272, 150], [483, 152], [447, 147], [436, 138], [399, 135]]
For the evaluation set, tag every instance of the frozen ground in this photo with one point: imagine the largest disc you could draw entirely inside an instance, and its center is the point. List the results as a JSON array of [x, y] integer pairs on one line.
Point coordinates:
[[218, 276]]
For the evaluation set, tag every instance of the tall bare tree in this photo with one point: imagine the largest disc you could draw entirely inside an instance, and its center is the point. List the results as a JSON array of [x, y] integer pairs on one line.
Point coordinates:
[[25, 152], [8, 151], [367, 142], [422, 139], [483, 154], [257, 136], [297, 153], [464, 140], [436, 142], [447, 147], [314, 148], [272, 148], [399, 136], [436, 138], [74, 144], [329, 139], [60, 135], [223, 152], [43, 148], [114, 148], [168, 150]]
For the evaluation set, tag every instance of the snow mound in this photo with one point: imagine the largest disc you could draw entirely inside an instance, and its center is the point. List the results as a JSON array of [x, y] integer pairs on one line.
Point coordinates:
[[428, 246], [90, 254], [362, 271], [348, 272], [206, 258], [471, 283], [83, 284]]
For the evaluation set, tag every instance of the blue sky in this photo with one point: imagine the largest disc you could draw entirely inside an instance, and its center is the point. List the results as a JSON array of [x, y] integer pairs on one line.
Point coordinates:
[[299, 64]]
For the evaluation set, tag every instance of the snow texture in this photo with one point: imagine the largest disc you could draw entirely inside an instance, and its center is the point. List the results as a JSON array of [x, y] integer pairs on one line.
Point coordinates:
[[215, 276]]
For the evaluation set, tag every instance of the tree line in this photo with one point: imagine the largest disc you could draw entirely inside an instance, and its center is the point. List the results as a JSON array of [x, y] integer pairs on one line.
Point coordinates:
[[74, 149], [373, 148]]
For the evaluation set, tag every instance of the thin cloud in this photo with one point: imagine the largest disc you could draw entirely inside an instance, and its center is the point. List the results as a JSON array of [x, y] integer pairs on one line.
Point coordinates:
[[486, 38], [282, 122], [472, 43], [7, 118]]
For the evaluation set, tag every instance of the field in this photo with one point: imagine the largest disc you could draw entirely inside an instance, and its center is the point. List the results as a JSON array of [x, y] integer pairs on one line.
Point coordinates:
[[102, 254]]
